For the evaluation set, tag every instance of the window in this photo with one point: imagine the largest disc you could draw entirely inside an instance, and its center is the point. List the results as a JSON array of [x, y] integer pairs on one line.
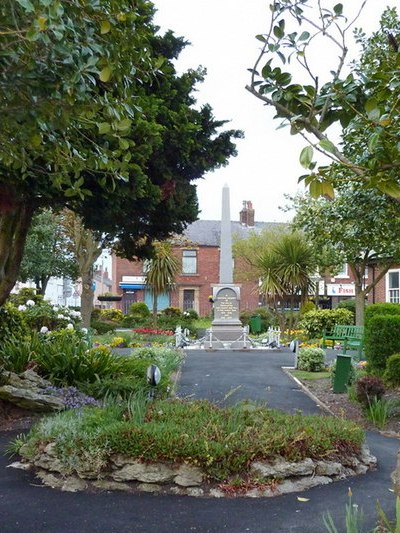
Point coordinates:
[[343, 272], [188, 299], [394, 287], [189, 262]]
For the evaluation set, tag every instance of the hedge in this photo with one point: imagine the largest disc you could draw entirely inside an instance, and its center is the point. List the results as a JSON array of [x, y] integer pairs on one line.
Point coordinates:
[[382, 340]]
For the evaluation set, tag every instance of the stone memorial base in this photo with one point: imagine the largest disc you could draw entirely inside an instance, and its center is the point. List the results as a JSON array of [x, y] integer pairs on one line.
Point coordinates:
[[227, 331], [225, 337]]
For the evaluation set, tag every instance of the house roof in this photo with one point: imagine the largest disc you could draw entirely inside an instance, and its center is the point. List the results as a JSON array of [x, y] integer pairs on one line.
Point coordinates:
[[208, 232]]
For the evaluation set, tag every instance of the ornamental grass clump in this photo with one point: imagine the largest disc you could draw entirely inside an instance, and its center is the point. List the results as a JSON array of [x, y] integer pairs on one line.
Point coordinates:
[[221, 441]]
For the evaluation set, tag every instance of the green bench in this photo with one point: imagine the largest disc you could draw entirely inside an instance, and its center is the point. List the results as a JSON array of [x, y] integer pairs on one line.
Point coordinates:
[[351, 337]]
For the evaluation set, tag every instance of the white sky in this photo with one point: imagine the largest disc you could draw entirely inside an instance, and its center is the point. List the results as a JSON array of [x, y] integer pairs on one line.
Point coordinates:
[[222, 36]]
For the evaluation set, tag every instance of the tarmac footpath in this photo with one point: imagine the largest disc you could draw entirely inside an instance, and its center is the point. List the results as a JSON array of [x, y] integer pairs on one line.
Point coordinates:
[[223, 377]]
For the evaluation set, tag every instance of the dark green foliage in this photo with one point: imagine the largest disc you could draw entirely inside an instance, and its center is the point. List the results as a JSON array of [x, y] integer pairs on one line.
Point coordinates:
[[392, 372], [12, 323], [130, 321], [139, 309], [109, 127], [96, 313], [102, 327], [267, 317], [172, 311], [349, 304], [66, 360], [381, 340], [315, 322], [369, 388], [16, 354], [381, 309]]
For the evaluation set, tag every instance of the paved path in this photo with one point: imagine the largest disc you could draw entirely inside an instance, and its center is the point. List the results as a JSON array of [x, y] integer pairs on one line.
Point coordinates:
[[28, 507]]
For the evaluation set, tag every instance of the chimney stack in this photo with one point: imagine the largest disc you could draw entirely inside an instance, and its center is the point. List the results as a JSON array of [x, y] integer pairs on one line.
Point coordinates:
[[247, 214]]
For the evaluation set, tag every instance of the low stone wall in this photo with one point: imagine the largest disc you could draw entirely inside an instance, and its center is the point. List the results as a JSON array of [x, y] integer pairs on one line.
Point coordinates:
[[127, 474]]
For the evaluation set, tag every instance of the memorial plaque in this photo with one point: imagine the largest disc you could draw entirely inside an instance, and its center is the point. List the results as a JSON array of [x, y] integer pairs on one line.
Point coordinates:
[[226, 306]]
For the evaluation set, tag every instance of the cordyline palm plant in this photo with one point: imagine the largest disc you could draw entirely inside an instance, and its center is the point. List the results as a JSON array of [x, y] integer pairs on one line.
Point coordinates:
[[286, 267], [162, 271]]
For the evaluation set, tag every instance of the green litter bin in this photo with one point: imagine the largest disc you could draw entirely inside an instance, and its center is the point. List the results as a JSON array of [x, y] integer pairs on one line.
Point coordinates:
[[255, 324], [342, 373]]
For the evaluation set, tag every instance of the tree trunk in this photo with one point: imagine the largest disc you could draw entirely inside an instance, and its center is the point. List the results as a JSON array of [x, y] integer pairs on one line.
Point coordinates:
[[155, 310], [360, 305], [396, 476], [14, 226], [87, 296]]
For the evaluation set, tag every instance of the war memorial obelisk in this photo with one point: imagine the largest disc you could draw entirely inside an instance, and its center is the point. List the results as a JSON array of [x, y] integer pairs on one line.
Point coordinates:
[[227, 330]]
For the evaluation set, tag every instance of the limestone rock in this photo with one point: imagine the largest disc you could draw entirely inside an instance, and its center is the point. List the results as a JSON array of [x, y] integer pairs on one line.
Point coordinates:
[[49, 479], [146, 473], [188, 476], [27, 391], [282, 469], [328, 468], [302, 484], [366, 457], [106, 484], [149, 487], [48, 462], [73, 484]]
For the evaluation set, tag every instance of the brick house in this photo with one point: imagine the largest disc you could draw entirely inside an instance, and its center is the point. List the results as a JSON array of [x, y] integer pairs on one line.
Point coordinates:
[[199, 252]]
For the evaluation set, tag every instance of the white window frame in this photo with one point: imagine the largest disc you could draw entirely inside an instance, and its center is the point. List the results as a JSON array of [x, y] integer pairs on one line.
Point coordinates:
[[193, 256], [344, 273], [392, 294]]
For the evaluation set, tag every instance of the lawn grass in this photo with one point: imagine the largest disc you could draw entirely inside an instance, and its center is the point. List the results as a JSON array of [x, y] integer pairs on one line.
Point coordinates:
[[302, 374]]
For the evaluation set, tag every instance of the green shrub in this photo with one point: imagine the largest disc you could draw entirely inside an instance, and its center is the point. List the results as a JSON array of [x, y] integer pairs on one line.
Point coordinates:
[[315, 322], [139, 309], [311, 359], [381, 340], [307, 307], [349, 304], [46, 315], [66, 360], [12, 323], [102, 327], [16, 353], [191, 314], [172, 312], [392, 372], [267, 317], [96, 312], [25, 294], [113, 315], [368, 388], [380, 309]]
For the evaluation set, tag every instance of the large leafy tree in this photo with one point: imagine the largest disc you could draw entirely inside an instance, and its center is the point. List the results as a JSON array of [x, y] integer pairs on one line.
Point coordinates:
[[359, 227], [362, 101], [46, 252], [95, 118]]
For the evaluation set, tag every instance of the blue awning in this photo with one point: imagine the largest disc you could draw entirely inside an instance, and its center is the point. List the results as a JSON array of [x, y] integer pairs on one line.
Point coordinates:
[[131, 286]]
